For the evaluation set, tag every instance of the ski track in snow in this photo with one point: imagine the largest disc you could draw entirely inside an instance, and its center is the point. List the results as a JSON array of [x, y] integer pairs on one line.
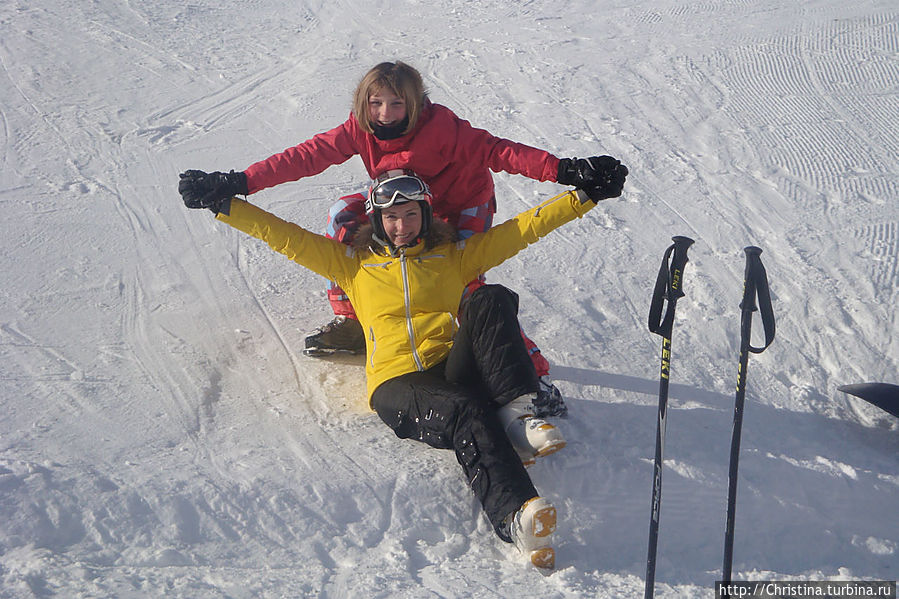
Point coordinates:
[[161, 434]]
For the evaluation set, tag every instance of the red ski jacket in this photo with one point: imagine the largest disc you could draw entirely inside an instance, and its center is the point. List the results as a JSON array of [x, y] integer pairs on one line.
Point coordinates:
[[447, 152]]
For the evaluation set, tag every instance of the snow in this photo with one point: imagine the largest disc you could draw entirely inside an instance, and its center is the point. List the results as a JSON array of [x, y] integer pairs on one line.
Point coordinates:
[[161, 434]]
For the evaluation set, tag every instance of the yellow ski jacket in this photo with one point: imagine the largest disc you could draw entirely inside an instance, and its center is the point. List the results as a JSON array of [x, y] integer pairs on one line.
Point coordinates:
[[407, 303]]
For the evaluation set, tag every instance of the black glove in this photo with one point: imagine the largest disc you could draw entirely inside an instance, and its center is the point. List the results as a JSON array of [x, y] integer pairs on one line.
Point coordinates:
[[600, 177], [584, 172], [210, 190]]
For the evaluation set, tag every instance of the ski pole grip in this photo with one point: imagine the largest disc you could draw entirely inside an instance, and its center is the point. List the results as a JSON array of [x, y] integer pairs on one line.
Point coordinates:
[[669, 286], [753, 256], [755, 287], [678, 262]]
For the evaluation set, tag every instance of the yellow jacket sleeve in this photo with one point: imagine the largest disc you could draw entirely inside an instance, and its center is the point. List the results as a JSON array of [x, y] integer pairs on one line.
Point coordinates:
[[331, 259], [484, 251]]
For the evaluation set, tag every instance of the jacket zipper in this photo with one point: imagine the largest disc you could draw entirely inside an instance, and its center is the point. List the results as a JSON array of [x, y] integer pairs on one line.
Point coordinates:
[[407, 298]]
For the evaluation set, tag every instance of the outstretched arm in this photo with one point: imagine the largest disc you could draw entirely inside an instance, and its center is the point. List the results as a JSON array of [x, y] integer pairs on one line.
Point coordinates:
[[324, 256], [304, 160], [483, 252], [207, 190], [516, 158], [499, 154]]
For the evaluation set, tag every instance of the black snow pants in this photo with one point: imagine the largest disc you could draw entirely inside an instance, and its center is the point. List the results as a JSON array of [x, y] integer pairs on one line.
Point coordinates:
[[453, 405]]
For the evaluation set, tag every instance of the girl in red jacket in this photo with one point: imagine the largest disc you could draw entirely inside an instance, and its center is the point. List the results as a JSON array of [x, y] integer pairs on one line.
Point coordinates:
[[394, 124]]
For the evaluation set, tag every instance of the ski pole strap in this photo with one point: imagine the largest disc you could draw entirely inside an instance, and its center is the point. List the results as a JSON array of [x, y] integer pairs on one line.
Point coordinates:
[[755, 288], [668, 287]]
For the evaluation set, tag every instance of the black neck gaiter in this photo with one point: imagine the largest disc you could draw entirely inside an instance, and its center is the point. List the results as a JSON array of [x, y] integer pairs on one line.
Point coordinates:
[[390, 131]]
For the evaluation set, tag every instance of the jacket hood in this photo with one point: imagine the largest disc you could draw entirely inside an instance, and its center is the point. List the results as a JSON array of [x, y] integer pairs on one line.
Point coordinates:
[[441, 233]]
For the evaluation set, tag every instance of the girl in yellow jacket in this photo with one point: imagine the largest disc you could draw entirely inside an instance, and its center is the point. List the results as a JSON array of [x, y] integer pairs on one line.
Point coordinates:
[[465, 382]]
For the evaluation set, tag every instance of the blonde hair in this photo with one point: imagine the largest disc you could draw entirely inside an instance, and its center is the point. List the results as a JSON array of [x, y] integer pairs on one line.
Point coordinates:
[[398, 78]]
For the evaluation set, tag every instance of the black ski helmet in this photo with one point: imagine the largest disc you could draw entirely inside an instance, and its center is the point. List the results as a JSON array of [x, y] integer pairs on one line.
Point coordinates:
[[395, 187]]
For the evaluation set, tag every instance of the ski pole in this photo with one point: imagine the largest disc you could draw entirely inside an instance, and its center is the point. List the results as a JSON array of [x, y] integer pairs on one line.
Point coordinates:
[[668, 289], [755, 286]]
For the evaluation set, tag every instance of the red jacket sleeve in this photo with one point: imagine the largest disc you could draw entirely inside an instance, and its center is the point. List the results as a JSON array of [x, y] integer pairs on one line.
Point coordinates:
[[306, 159], [500, 154]]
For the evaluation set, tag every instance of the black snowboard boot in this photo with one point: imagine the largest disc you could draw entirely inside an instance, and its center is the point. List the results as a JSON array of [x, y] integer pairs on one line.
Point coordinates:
[[342, 334]]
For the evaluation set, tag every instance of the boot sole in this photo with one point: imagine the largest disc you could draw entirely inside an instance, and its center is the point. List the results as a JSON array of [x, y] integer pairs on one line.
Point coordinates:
[[542, 525], [549, 448], [320, 352], [544, 522], [544, 558]]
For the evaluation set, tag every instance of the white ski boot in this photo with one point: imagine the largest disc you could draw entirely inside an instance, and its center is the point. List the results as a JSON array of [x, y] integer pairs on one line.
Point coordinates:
[[531, 530], [532, 437]]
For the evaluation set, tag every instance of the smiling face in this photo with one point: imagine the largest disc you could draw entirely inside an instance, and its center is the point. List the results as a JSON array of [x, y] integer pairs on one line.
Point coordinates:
[[402, 223], [383, 82], [385, 108]]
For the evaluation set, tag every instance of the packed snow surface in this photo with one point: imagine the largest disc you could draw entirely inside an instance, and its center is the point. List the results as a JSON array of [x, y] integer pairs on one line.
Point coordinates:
[[161, 434]]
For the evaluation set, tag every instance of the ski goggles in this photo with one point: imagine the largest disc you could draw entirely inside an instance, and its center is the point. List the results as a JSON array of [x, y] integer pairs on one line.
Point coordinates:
[[396, 186]]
